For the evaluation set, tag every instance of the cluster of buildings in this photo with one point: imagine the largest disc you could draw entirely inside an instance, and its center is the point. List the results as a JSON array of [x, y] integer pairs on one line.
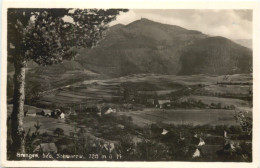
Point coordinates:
[[158, 103], [57, 113]]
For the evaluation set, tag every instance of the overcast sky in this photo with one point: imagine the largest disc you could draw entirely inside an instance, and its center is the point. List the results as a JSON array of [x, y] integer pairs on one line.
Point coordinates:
[[233, 24]]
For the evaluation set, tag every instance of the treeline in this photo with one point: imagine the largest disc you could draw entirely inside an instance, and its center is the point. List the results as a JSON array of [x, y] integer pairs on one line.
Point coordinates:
[[193, 103], [234, 83], [247, 97]]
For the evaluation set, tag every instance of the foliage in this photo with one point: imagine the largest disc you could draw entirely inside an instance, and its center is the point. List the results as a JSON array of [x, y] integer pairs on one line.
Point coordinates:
[[45, 37], [32, 140], [245, 121], [126, 147], [58, 131], [190, 103], [42, 35], [149, 150]]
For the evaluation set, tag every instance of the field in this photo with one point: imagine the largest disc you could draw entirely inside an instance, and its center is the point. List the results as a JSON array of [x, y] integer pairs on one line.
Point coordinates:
[[161, 84], [239, 104], [183, 116], [197, 87]]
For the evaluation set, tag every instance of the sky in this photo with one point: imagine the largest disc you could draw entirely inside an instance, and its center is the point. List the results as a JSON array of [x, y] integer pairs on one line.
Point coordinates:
[[233, 24]]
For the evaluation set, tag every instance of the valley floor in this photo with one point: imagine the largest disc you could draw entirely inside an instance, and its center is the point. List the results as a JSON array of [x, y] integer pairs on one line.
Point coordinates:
[[164, 111]]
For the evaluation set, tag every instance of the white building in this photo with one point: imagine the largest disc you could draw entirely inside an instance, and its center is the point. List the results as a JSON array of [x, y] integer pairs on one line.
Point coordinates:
[[196, 153], [62, 116], [202, 142], [164, 132]]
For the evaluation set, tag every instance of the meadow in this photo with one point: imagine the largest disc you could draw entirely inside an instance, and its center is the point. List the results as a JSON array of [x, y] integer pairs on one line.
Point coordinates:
[[203, 88]]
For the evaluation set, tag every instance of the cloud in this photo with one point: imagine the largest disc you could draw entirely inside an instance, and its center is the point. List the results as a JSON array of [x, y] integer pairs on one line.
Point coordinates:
[[126, 18], [233, 24]]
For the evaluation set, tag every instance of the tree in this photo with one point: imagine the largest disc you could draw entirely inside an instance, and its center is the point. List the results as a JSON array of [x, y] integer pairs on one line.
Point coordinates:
[[58, 131], [126, 94], [148, 150], [43, 36]]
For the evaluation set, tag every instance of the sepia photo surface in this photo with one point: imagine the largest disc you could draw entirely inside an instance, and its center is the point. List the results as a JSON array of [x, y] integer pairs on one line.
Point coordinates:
[[151, 85]]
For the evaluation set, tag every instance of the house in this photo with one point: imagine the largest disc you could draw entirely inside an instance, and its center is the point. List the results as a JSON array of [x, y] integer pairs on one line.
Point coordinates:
[[44, 112], [29, 113], [196, 153], [164, 132], [99, 114], [164, 103], [62, 116], [109, 111], [202, 142], [47, 113], [40, 113], [57, 114], [57, 111]]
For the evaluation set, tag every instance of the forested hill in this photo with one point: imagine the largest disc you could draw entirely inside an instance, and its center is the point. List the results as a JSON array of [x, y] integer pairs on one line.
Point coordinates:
[[146, 46]]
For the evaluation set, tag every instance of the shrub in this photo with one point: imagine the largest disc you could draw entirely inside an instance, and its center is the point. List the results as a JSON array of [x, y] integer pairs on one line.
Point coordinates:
[[58, 131], [148, 150]]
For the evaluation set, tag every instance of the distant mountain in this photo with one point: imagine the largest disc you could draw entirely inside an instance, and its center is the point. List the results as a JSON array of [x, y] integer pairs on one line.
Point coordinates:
[[244, 42], [145, 46]]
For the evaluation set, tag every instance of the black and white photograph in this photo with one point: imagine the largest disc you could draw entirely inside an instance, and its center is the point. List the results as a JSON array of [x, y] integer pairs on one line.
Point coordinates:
[[125, 84]]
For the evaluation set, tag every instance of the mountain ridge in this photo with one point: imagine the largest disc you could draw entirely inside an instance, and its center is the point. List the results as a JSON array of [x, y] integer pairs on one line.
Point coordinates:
[[146, 46]]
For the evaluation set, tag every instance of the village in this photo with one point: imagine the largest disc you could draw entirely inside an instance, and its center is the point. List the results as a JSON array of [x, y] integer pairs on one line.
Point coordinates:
[[109, 122]]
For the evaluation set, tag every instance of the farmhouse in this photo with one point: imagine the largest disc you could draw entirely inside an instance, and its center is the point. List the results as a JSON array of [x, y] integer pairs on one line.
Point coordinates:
[[196, 153], [202, 142], [164, 132], [109, 111], [29, 113], [62, 115], [164, 103], [150, 101], [57, 114], [44, 112]]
